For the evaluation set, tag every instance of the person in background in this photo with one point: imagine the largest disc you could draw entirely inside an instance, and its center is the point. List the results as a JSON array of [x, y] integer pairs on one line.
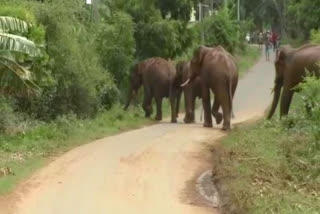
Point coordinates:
[[267, 44], [260, 39], [274, 38], [278, 42]]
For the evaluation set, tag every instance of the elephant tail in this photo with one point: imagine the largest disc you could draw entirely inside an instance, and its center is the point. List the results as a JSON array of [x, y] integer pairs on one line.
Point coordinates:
[[230, 96]]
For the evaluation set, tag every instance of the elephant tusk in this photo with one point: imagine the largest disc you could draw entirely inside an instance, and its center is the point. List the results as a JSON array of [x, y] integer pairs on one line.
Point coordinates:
[[186, 83]]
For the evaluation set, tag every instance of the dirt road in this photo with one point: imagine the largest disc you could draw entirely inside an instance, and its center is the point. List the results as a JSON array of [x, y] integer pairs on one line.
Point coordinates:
[[146, 171]]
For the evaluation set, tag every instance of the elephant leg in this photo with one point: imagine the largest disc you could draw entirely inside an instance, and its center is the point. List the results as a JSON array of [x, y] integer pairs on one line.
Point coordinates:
[[224, 100], [206, 106], [193, 106], [147, 107], [178, 103], [234, 87], [173, 108], [286, 99], [188, 100], [159, 109], [215, 111]]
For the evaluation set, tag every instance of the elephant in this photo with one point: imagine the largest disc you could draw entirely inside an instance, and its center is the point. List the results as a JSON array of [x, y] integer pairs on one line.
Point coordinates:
[[191, 91], [158, 77], [290, 66], [219, 73]]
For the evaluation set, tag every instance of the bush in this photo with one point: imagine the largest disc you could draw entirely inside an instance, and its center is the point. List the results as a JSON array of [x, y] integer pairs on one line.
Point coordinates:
[[73, 61], [220, 29], [116, 45], [315, 36], [7, 117], [310, 108]]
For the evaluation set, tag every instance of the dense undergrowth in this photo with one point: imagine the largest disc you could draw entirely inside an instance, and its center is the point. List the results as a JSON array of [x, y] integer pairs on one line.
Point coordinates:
[[273, 166]]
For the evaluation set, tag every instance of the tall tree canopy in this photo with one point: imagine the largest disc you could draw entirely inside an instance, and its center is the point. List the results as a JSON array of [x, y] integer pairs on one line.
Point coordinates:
[[177, 9]]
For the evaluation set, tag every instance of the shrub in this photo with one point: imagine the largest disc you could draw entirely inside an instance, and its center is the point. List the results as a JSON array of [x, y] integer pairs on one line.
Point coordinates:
[[310, 109], [315, 36], [116, 45], [7, 117], [73, 60], [220, 29]]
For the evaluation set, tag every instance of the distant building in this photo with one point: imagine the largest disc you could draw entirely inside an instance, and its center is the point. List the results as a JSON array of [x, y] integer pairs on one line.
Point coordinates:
[[209, 7]]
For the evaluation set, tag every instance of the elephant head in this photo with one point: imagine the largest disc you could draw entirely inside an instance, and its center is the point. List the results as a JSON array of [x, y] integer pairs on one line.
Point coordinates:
[[196, 63], [280, 66], [135, 82]]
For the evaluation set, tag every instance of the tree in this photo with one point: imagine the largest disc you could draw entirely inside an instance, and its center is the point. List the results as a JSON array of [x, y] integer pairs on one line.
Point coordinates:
[[303, 16], [176, 9], [14, 75]]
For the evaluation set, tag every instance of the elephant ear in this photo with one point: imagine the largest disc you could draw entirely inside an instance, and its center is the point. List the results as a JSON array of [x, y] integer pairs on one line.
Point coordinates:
[[199, 55], [138, 69], [280, 56]]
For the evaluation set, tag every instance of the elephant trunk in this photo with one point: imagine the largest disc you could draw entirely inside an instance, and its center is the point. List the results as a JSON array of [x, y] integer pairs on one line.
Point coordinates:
[[189, 117], [276, 96], [178, 102]]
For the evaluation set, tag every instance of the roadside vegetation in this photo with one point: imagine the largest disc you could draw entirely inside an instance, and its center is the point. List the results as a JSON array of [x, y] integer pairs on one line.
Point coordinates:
[[273, 166]]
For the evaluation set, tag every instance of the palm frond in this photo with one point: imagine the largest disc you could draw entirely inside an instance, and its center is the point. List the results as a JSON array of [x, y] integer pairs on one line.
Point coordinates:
[[12, 42], [15, 79], [11, 24]]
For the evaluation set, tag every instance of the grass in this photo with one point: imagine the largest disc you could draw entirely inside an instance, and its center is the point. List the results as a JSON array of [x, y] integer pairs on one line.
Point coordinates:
[[271, 167], [22, 169]]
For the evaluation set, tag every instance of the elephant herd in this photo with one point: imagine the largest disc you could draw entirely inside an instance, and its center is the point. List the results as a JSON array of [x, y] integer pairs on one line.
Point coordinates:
[[213, 69]]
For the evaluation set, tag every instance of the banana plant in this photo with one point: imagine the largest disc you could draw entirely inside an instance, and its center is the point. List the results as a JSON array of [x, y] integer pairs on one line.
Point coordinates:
[[14, 76]]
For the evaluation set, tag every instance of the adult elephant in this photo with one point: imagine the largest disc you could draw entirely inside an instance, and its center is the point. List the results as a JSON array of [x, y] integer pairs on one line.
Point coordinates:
[[291, 65], [191, 91], [218, 71], [158, 77]]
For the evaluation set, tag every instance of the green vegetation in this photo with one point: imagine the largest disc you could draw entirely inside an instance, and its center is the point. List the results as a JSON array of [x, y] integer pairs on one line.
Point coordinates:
[[15, 49], [273, 166], [315, 36], [246, 58]]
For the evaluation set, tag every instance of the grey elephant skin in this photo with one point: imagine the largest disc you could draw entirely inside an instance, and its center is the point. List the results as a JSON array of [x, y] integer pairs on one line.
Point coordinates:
[[218, 72], [291, 66], [158, 78]]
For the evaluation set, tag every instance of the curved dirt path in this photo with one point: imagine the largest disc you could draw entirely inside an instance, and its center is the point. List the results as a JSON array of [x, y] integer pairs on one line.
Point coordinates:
[[150, 170]]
